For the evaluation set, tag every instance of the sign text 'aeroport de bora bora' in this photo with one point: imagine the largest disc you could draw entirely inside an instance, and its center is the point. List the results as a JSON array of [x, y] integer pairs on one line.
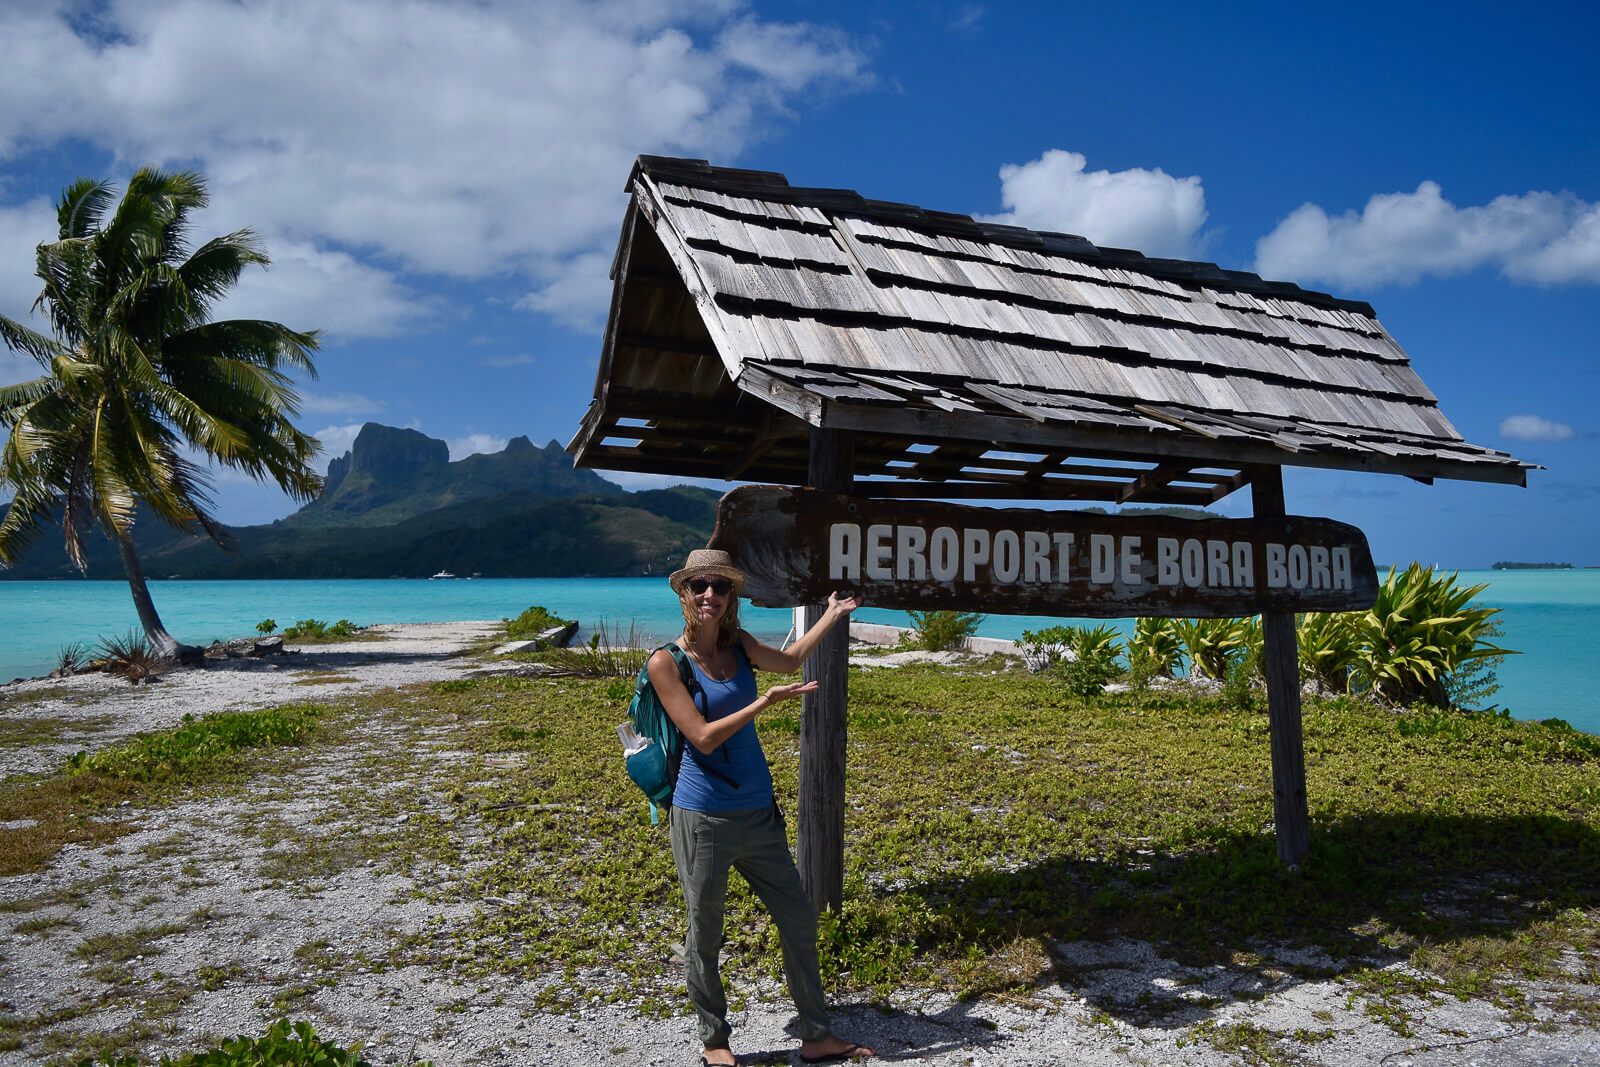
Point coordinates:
[[797, 545]]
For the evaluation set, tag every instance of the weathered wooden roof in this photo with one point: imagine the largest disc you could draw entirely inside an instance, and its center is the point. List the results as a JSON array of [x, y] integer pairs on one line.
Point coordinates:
[[971, 359]]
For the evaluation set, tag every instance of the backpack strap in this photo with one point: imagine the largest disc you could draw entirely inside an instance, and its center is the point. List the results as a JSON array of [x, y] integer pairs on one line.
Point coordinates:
[[692, 684]]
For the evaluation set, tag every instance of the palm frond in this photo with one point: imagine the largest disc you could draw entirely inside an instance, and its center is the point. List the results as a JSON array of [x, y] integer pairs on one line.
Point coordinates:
[[19, 338], [265, 344], [16, 399], [81, 207], [215, 266]]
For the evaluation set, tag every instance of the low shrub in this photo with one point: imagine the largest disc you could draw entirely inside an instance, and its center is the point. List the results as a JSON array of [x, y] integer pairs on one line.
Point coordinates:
[[1042, 649], [130, 657], [317, 630], [939, 631], [1155, 650], [285, 1044], [1423, 629], [1093, 661], [71, 658], [531, 623], [1329, 648], [196, 743], [266, 626]]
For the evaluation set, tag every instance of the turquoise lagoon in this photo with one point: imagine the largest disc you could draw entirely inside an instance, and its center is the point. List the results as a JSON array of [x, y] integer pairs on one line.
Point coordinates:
[[1551, 617]]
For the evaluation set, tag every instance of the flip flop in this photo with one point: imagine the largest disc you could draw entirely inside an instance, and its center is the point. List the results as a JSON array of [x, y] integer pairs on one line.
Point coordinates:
[[835, 1057]]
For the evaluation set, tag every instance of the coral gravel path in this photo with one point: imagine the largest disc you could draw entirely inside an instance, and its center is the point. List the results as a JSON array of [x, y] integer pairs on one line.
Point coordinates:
[[214, 918]]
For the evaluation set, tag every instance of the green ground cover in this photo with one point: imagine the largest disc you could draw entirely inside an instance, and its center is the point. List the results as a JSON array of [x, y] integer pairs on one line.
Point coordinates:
[[992, 817]]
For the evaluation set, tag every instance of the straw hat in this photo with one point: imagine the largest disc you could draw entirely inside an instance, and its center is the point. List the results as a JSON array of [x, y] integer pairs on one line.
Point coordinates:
[[707, 561]]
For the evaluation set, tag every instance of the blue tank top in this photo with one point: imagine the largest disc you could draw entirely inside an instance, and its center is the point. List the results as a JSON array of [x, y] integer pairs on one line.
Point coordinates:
[[706, 780]]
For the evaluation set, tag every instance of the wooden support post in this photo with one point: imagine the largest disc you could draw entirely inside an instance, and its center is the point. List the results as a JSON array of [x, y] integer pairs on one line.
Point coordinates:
[[822, 714], [1281, 665]]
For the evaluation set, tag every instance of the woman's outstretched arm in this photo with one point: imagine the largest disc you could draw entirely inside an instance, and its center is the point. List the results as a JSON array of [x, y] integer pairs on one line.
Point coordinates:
[[788, 660], [703, 735]]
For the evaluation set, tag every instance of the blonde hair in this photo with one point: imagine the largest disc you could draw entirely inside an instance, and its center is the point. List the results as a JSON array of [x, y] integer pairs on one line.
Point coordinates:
[[729, 629]]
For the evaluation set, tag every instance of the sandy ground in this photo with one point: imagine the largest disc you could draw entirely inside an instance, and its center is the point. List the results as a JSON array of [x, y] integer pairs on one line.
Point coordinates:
[[228, 915]]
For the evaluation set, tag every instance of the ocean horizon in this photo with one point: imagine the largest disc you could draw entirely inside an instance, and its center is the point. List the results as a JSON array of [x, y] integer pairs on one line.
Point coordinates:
[[1550, 617]]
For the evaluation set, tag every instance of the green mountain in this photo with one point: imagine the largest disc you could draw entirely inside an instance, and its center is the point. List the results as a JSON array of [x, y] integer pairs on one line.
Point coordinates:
[[391, 474], [396, 506]]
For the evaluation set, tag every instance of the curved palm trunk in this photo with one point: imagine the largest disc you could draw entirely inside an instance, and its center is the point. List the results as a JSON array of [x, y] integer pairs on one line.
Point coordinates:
[[164, 644]]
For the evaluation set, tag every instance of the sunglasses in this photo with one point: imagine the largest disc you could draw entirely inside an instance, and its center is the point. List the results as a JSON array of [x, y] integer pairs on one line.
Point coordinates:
[[719, 586]]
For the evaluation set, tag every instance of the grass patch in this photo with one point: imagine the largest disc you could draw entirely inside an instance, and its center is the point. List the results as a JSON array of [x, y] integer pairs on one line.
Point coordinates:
[[124, 946], [24, 732], [313, 856], [197, 746], [74, 806], [993, 818], [325, 679], [43, 923]]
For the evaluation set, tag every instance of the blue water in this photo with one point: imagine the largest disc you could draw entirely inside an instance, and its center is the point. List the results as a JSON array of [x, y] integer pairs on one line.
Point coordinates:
[[1552, 617]]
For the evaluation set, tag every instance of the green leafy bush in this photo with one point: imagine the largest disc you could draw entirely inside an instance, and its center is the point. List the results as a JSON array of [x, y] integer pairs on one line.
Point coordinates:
[[196, 743], [1474, 682], [1213, 644], [1155, 650], [285, 1044], [531, 623], [1330, 647], [266, 626], [1094, 660], [1244, 678], [1041, 649], [938, 631], [1084, 658], [317, 630], [1421, 630]]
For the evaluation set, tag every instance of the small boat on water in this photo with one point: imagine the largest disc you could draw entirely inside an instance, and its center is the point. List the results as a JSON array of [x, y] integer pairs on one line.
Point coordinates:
[[441, 574]]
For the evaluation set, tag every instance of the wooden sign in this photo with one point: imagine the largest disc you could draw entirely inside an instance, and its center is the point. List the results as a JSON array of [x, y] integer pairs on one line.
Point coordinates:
[[797, 545]]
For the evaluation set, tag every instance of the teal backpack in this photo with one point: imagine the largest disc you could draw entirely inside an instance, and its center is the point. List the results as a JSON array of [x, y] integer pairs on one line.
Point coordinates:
[[654, 753]]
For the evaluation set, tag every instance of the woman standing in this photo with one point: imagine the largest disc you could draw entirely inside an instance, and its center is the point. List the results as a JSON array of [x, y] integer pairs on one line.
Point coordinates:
[[723, 813]]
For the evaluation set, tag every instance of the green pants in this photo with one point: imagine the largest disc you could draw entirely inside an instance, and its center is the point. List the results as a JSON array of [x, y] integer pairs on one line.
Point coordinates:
[[752, 842]]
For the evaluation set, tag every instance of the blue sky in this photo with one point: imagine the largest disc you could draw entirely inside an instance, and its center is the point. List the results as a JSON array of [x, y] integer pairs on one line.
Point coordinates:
[[440, 185]]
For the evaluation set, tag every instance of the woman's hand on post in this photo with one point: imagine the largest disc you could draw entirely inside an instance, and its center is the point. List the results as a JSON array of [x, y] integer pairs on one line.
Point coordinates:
[[779, 693]]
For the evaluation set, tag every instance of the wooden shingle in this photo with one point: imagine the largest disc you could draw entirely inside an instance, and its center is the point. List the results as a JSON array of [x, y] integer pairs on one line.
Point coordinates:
[[915, 329]]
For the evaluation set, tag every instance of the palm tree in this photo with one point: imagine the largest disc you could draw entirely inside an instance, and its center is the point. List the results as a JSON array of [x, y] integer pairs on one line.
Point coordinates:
[[136, 374]]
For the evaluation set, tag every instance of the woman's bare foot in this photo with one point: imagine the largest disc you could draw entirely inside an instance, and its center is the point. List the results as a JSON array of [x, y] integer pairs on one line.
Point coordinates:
[[833, 1050]]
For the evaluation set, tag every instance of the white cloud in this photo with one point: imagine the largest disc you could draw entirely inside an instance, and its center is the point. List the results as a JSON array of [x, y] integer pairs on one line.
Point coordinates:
[[1401, 237], [1146, 210], [1535, 428], [307, 288], [462, 447], [789, 57], [965, 21], [517, 359], [22, 228], [373, 137], [339, 404], [579, 298]]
